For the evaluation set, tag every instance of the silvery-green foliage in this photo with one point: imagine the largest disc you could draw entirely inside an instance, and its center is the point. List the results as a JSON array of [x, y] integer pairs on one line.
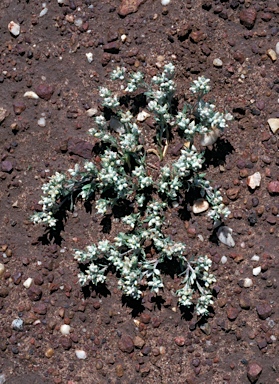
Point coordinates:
[[122, 175]]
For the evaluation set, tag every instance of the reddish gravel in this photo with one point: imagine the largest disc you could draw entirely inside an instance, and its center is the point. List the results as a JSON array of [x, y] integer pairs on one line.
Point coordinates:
[[154, 342]]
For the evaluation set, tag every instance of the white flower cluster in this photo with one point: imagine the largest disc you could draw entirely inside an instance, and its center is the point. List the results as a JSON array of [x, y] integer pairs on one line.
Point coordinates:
[[200, 277], [122, 176], [201, 85]]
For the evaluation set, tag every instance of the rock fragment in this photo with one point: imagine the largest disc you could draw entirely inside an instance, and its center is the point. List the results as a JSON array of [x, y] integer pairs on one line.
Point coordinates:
[[3, 114], [44, 91], [34, 293], [17, 324], [253, 372], [273, 187], [14, 28], [6, 166], [272, 54], [80, 354], [248, 17], [31, 95], [126, 344], [254, 180], [224, 234], [264, 310], [273, 124], [65, 329], [129, 6], [200, 206]]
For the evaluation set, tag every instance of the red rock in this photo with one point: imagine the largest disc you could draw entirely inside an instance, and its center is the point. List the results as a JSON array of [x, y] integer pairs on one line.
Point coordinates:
[[44, 91], [145, 318], [197, 36], [253, 372], [19, 107], [264, 310], [65, 342], [232, 313], [180, 341], [112, 47], [126, 344], [233, 193], [34, 293], [129, 6], [273, 187], [40, 308], [6, 166], [248, 17], [80, 148]]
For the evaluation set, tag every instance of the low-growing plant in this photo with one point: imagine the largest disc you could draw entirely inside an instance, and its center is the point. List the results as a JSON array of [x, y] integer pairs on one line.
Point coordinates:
[[121, 176]]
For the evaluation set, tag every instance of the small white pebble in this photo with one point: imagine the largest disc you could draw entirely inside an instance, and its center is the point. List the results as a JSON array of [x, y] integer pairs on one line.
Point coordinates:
[[255, 258], [142, 116], [80, 354], [42, 122], [43, 12], [65, 329], [2, 269], [273, 337], [78, 22], [123, 38], [277, 48], [89, 56], [27, 283], [165, 2], [17, 324], [247, 282], [218, 63], [92, 112], [31, 95], [257, 271], [224, 259], [14, 28]]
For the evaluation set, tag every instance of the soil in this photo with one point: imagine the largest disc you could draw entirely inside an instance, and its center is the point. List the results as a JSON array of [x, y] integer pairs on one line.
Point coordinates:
[[153, 342]]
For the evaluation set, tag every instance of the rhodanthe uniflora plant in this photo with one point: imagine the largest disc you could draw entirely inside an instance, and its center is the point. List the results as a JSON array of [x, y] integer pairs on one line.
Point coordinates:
[[122, 176]]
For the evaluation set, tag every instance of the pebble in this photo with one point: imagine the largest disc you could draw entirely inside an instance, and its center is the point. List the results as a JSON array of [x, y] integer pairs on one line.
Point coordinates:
[[233, 193], [255, 258], [217, 63], [3, 114], [81, 148], [89, 57], [273, 187], [247, 283], [277, 48], [126, 344], [272, 54], [31, 95], [6, 166], [253, 372], [248, 17], [44, 91], [40, 308], [80, 354], [65, 329], [180, 341], [165, 2], [232, 313], [41, 122], [254, 180], [119, 370], [138, 342], [200, 206], [18, 107], [210, 138], [2, 269], [65, 342], [264, 310], [34, 293], [224, 259], [257, 271], [224, 234], [142, 116], [14, 28], [145, 318], [273, 124], [49, 353], [17, 324], [43, 12]]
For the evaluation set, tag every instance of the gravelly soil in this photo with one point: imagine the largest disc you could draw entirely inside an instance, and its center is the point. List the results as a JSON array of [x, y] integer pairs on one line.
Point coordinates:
[[153, 343]]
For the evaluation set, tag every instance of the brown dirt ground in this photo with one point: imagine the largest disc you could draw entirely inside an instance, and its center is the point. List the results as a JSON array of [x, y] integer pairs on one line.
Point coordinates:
[[51, 50]]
